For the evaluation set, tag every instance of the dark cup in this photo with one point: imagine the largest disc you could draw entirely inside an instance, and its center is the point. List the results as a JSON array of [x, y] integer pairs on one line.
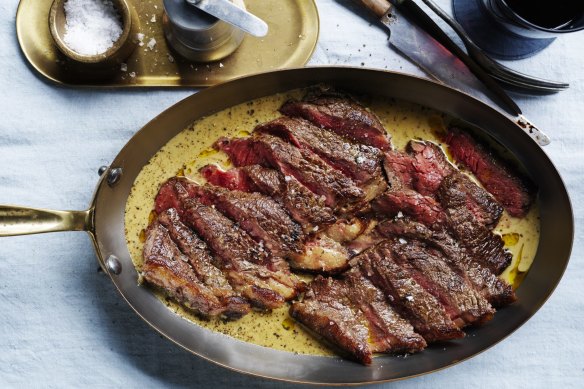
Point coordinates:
[[515, 29], [531, 22]]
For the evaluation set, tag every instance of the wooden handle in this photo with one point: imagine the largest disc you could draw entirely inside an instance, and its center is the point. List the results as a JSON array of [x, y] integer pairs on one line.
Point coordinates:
[[378, 7]]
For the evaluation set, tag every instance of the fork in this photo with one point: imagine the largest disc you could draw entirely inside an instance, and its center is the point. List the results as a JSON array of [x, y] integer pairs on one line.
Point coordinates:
[[495, 69]]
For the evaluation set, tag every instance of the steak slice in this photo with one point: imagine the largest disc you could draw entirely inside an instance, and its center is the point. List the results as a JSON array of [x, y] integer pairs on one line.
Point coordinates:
[[243, 261], [424, 209], [431, 167], [326, 310], [482, 245], [497, 292], [513, 191], [201, 263], [406, 295], [389, 332], [258, 215], [246, 248], [463, 303], [167, 268], [307, 167], [400, 198], [341, 115], [306, 208], [359, 162]]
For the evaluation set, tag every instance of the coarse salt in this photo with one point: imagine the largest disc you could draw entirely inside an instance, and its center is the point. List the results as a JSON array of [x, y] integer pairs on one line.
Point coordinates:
[[91, 26], [151, 44]]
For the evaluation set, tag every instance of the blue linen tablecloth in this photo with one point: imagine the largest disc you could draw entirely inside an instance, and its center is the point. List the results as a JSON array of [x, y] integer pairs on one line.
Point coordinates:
[[62, 324]]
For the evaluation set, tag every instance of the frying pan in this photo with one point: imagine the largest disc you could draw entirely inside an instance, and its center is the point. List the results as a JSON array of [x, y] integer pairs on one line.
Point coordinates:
[[104, 222]]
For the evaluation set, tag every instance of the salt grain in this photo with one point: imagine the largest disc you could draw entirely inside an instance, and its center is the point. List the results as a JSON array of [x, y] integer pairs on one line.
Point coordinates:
[[92, 26], [151, 44]]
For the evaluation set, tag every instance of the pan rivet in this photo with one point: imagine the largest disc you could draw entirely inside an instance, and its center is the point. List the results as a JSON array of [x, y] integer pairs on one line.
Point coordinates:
[[102, 170], [113, 264], [114, 176]]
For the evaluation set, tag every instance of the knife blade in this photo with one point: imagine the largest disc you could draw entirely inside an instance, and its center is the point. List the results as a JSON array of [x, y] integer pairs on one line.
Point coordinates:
[[416, 44], [228, 12]]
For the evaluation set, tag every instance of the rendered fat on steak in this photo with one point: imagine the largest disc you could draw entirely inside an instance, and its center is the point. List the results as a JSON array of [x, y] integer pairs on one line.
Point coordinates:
[[406, 295], [514, 192], [337, 189], [484, 246], [359, 162], [258, 215], [166, 267], [342, 115], [497, 292], [305, 207]]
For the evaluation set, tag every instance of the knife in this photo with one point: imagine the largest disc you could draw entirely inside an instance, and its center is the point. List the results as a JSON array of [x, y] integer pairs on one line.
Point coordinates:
[[403, 19], [228, 12]]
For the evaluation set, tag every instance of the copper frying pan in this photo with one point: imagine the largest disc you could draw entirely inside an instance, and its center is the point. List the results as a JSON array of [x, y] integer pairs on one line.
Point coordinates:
[[104, 222]]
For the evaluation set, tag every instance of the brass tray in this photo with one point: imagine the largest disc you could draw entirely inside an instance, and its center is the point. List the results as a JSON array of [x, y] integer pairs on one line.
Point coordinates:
[[294, 27]]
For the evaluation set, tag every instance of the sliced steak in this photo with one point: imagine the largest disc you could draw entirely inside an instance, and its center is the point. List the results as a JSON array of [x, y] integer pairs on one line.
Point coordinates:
[[326, 311], [406, 295], [497, 292], [258, 215], [429, 166], [307, 167], [482, 245], [341, 115], [389, 332], [167, 268], [201, 263], [424, 209], [463, 303], [513, 191], [359, 162], [306, 208], [247, 266]]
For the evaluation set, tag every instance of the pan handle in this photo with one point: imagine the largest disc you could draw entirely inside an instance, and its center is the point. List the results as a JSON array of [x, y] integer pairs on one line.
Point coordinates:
[[15, 220]]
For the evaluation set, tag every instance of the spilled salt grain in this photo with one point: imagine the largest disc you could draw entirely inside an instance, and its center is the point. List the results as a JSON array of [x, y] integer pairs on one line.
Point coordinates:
[[91, 26], [124, 67]]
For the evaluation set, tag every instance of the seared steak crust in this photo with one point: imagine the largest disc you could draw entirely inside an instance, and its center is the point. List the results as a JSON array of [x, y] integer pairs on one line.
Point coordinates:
[[359, 162], [514, 192], [388, 331], [481, 243], [258, 215], [463, 303], [307, 167], [167, 268], [497, 292], [406, 295], [305, 207], [341, 115], [326, 311]]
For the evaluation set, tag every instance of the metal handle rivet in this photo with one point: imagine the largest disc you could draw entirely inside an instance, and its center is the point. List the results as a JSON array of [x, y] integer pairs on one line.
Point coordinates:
[[114, 176], [102, 170], [113, 265]]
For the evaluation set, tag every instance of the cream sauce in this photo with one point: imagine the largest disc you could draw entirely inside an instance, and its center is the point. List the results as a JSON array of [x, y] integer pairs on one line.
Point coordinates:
[[191, 149]]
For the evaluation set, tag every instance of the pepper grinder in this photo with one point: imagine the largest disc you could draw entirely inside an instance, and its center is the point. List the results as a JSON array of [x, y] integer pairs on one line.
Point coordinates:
[[198, 36]]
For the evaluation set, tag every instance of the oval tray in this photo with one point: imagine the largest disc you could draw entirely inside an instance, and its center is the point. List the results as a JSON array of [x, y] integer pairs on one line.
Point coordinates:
[[294, 27]]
